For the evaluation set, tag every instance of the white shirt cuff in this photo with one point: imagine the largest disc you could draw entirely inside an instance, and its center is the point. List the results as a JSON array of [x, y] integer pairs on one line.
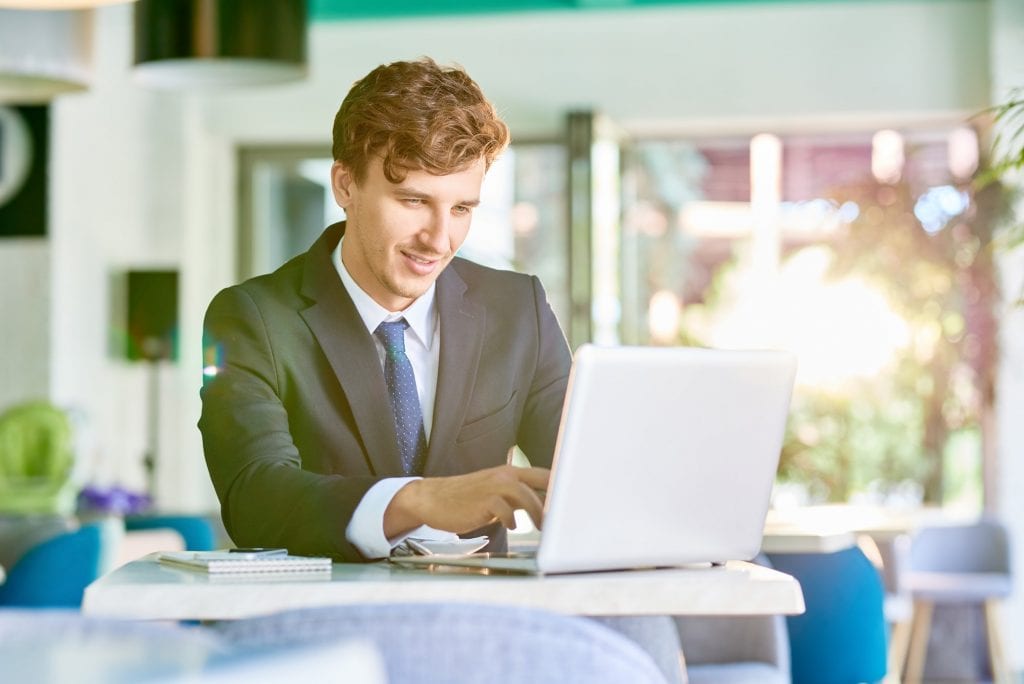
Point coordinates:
[[365, 529]]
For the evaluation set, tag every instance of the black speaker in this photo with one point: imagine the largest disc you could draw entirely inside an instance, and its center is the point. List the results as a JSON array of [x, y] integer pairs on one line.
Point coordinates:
[[152, 315]]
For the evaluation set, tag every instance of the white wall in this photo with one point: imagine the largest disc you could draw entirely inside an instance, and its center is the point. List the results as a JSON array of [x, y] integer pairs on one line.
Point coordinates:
[[24, 320], [660, 66], [116, 180], [142, 179]]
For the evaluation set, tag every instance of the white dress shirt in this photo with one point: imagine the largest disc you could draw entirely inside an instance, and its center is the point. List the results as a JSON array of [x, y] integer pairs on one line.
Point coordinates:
[[423, 346]]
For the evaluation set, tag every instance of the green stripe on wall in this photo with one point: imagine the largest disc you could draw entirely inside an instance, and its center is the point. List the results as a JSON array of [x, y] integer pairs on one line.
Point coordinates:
[[336, 10]]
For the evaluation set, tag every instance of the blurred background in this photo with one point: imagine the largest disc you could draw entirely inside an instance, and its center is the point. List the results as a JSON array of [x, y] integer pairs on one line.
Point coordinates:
[[822, 176]]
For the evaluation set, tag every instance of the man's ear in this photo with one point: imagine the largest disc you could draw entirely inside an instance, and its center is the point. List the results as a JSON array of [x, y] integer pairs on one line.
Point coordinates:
[[341, 184]]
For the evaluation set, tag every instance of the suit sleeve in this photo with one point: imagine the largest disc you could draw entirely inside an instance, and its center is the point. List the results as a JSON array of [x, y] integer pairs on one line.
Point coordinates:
[[266, 498], [538, 429]]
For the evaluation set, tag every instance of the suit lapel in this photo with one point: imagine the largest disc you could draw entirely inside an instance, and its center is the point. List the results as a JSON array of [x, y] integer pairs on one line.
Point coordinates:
[[462, 324], [341, 334]]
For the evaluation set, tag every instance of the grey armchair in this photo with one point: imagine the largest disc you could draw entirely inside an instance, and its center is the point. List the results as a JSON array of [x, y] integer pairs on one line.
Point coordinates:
[[736, 649], [57, 646], [443, 643]]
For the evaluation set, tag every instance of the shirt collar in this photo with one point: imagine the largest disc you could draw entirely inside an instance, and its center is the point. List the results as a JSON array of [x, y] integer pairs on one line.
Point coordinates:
[[421, 314]]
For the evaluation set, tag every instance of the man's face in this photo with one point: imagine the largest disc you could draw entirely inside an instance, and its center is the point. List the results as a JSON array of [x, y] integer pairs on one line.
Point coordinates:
[[399, 237]]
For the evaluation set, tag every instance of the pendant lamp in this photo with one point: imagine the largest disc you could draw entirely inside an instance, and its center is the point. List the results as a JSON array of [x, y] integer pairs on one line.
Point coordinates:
[[43, 54], [210, 44]]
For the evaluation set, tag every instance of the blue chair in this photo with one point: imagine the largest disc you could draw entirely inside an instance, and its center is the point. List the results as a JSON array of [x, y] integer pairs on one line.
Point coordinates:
[[55, 573], [196, 531], [841, 638]]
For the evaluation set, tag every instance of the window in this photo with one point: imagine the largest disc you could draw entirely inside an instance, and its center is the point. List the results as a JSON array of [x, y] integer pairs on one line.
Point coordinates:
[[881, 286]]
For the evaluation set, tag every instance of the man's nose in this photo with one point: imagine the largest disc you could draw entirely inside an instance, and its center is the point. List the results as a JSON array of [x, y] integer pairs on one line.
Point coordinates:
[[435, 234]]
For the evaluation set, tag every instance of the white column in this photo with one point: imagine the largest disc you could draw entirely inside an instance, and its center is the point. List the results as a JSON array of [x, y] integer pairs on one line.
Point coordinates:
[[1007, 60]]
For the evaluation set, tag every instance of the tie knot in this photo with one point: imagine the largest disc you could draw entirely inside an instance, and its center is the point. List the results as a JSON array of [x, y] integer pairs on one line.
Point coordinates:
[[392, 335]]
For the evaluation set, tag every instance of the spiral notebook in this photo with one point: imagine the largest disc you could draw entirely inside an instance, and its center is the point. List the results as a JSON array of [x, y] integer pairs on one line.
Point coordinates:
[[225, 562]]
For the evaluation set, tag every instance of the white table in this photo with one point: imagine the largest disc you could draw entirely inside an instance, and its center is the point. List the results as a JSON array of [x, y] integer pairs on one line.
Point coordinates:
[[833, 527], [792, 538], [145, 589]]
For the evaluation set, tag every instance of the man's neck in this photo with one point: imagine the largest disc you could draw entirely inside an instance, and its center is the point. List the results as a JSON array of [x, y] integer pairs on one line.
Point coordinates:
[[421, 313]]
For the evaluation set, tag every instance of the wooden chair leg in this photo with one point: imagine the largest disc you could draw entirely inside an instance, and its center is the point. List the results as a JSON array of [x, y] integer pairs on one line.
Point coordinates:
[[921, 630], [996, 654], [899, 642]]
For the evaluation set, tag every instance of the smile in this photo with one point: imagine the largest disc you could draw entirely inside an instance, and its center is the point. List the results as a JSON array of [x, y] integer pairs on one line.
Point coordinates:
[[420, 260], [420, 266]]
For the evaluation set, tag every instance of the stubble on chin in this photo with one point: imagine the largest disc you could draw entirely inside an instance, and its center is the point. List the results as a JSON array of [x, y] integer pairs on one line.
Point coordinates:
[[410, 289], [410, 292]]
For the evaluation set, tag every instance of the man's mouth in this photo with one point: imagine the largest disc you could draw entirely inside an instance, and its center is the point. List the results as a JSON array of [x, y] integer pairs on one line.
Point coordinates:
[[421, 265]]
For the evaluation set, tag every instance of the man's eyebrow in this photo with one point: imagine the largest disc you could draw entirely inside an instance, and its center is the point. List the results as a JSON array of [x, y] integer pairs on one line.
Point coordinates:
[[409, 191]]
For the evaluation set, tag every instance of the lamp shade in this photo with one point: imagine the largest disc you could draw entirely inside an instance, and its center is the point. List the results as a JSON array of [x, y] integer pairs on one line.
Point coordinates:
[[43, 54], [206, 44], [58, 4]]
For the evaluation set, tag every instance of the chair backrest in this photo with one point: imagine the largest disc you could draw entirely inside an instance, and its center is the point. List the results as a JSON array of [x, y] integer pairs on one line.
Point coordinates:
[[196, 531], [35, 460], [716, 640], [462, 642], [63, 645], [979, 547], [19, 533], [841, 638], [733, 639], [56, 572], [894, 555], [729, 649]]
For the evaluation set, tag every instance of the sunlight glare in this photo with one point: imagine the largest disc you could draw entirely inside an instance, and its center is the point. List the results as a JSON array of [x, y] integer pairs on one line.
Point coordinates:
[[887, 156], [840, 330], [663, 314], [962, 152]]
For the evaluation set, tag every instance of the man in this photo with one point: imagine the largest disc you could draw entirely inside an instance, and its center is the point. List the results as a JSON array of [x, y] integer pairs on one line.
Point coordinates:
[[374, 386], [377, 383]]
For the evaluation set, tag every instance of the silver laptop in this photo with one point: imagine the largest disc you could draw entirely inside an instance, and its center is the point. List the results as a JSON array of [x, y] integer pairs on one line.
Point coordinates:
[[664, 457]]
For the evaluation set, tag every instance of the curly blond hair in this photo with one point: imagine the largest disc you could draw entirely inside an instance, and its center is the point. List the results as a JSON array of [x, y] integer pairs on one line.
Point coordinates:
[[417, 115]]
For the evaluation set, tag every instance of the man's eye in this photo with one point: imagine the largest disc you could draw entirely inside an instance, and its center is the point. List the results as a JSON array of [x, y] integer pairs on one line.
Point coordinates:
[[413, 201], [461, 210]]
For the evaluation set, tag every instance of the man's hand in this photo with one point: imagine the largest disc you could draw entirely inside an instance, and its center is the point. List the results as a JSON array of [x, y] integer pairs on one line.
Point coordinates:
[[465, 502]]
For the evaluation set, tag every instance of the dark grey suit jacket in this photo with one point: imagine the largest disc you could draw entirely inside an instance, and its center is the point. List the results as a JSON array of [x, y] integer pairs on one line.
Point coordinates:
[[296, 422]]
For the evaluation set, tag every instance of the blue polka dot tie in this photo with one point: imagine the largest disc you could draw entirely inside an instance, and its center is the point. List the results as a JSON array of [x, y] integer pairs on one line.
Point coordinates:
[[405, 401]]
